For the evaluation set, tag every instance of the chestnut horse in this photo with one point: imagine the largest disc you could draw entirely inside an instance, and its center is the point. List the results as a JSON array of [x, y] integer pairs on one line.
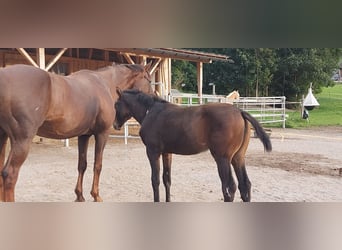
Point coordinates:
[[167, 128], [35, 102]]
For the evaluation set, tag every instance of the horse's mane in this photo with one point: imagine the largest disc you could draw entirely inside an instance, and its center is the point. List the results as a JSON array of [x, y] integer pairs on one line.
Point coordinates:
[[103, 68], [145, 99], [134, 67], [137, 68]]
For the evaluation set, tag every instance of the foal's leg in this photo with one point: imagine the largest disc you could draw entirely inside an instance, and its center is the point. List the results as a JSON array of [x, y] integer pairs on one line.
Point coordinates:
[[238, 163], [167, 160], [3, 143], [154, 157], [227, 180], [100, 142], [83, 142]]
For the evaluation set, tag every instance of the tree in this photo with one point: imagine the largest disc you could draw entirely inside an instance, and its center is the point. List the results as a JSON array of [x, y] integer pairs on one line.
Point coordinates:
[[227, 76], [258, 65], [184, 76], [296, 68], [262, 71]]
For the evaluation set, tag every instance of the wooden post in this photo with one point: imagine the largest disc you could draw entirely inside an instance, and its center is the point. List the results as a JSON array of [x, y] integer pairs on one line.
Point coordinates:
[[200, 81], [169, 74], [143, 60], [165, 74], [41, 65], [41, 58]]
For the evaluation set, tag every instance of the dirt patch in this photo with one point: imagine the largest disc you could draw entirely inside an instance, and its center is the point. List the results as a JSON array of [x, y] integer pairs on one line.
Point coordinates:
[[298, 162]]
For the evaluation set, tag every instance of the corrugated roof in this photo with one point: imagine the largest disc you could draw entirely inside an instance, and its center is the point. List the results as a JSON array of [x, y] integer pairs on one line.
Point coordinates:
[[181, 54]]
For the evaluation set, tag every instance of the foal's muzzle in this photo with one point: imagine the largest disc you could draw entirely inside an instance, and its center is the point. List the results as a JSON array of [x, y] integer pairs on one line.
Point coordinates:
[[117, 126]]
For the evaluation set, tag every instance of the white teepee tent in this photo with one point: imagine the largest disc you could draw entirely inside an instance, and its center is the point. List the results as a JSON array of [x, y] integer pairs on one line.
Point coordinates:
[[310, 101]]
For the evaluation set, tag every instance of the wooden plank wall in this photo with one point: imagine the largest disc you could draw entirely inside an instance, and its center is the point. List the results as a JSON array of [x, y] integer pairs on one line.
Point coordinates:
[[74, 64]]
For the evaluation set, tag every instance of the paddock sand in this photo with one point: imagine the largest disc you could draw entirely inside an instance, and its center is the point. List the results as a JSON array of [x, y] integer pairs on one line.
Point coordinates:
[[303, 166]]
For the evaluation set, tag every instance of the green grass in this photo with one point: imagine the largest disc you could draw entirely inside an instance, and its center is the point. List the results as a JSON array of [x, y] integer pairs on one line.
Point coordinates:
[[329, 113]]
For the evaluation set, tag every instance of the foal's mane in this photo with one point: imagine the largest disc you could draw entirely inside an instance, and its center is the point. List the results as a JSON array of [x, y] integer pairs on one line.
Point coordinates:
[[145, 99]]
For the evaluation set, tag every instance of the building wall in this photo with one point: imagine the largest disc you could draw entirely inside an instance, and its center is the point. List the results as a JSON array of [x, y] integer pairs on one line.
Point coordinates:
[[67, 64]]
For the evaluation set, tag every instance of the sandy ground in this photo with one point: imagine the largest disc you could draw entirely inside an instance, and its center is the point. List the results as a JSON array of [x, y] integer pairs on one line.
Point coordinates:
[[303, 166]]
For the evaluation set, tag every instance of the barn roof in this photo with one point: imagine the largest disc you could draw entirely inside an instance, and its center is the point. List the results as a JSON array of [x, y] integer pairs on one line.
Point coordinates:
[[181, 54]]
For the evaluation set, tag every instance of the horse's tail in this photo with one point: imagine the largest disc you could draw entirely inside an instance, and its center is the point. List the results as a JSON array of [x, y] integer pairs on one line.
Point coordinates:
[[260, 132]]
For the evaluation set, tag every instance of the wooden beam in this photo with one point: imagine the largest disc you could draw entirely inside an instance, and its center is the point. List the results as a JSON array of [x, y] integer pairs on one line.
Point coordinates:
[[200, 80], [55, 59], [128, 58], [23, 52], [155, 66]]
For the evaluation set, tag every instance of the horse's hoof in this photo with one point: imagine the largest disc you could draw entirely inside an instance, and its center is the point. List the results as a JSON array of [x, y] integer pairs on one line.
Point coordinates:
[[98, 199], [80, 199]]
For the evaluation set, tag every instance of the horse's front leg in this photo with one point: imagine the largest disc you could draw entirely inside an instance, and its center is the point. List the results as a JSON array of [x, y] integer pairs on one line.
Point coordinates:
[[154, 157], [167, 160], [100, 142], [83, 142]]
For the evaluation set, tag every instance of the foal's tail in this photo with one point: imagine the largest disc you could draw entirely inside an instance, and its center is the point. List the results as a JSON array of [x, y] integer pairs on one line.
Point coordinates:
[[264, 138]]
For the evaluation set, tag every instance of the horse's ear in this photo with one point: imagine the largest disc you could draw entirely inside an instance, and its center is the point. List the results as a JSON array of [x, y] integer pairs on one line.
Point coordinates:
[[118, 91]]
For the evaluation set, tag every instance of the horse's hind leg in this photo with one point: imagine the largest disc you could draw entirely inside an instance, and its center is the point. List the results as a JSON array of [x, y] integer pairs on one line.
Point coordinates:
[[227, 180], [238, 163], [17, 156], [83, 142], [3, 143], [167, 160], [100, 142]]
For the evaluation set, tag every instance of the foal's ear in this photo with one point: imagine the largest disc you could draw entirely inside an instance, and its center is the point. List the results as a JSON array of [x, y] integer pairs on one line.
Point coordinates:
[[118, 91]]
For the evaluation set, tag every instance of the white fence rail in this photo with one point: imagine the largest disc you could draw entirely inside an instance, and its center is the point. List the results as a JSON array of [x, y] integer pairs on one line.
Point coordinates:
[[193, 99], [264, 109]]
